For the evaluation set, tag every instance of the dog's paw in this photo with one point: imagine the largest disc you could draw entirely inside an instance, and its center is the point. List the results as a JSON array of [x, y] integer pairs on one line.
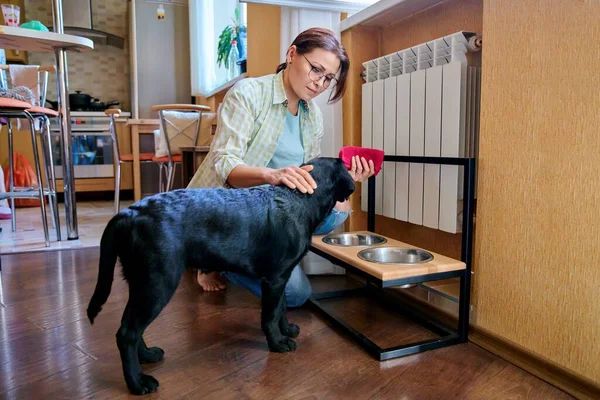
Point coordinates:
[[284, 345], [144, 384], [292, 331], [151, 355]]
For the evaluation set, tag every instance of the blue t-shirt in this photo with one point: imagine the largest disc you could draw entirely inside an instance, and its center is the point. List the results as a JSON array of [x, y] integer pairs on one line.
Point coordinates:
[[290, 150]]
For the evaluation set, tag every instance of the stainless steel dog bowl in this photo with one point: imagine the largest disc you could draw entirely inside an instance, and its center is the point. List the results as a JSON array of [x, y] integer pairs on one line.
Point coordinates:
[[354, 239], [395, 255]]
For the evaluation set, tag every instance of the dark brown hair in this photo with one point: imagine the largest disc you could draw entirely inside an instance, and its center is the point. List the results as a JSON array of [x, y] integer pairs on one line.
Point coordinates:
[[321, 38]]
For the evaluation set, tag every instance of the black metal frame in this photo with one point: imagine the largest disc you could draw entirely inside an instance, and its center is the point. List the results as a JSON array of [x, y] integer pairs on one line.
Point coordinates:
[[448, 335]]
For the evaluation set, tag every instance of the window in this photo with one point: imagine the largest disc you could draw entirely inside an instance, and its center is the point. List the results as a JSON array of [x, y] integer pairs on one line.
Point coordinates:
[[208, 19]]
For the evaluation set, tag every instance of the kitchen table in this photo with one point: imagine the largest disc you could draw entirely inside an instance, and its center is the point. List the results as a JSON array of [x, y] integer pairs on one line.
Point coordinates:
[[191, 158], [15, 38]]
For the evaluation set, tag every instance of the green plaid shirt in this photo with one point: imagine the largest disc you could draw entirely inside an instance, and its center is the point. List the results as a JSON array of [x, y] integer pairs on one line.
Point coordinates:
[[250, 123]]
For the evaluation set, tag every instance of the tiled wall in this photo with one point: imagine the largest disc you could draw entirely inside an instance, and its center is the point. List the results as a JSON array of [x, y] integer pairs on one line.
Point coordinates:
[[103, 72]]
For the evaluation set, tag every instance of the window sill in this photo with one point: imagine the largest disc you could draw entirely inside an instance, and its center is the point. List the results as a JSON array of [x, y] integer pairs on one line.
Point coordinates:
[[226, 85]]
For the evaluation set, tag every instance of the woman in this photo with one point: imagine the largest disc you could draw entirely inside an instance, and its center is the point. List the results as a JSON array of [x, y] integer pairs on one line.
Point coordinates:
[[270, 125]]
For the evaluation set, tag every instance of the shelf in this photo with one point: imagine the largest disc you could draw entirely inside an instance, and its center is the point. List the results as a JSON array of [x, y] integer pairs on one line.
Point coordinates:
[[389, 272], [226, 85], [31, 40], [386, 12], [319, 5]]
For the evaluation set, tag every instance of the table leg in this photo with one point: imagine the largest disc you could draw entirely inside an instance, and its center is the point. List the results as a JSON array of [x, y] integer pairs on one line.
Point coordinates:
[[186, 167], [135, 147], [65, 127]]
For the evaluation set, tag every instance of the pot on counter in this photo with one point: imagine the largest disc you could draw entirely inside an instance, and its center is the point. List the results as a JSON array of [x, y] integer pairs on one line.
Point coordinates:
[[92, 105], [97, 105], [113, 104], [79, 101]]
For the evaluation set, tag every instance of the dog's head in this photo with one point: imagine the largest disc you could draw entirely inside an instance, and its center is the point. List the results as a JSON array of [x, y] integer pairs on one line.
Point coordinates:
[[329, 172]]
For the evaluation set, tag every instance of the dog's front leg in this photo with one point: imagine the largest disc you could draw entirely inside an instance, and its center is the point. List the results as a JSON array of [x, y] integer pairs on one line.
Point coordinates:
[[287, 329], [273, 298]]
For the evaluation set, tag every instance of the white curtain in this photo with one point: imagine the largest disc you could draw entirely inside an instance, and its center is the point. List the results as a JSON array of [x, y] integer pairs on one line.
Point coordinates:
[[203, 53], [294, 21]]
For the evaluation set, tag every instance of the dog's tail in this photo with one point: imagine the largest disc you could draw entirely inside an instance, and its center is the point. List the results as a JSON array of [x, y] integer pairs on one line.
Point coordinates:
[[106, 269]]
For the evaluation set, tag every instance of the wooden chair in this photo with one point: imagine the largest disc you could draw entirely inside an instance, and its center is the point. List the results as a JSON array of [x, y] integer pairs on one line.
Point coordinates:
[[11, 108], [176, 121], [119, 158]]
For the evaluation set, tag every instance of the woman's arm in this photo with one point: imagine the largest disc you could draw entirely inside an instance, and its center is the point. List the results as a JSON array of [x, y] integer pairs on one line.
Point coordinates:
[[230, 144], [293, 177], [234, 129], [245, 176]]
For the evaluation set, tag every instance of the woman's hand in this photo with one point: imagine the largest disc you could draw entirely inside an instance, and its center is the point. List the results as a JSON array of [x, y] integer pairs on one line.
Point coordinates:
[[293, 177], [361, 170]]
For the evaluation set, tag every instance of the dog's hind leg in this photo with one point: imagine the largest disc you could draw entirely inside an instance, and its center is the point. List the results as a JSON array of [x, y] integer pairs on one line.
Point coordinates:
[[273, 299], [149, 355], [144, 305]]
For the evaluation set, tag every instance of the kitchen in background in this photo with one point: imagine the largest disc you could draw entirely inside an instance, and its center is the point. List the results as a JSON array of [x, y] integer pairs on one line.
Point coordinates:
[[138, 60], [160, 70], [161, 49], [97, 80], [103, 73]]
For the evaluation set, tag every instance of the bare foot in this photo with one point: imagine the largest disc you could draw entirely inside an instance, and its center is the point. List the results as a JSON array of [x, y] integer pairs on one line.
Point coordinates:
[[211, 282]]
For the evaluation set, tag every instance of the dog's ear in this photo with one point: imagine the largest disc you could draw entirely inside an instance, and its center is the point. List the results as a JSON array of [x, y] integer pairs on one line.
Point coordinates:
[[345, 184]]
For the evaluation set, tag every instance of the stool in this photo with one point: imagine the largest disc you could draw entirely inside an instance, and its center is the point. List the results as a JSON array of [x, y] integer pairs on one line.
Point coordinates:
[[11, 108], [44, 114]]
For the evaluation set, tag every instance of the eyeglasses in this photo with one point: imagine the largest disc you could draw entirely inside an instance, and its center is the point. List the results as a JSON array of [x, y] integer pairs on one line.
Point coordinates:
[[315, 74]]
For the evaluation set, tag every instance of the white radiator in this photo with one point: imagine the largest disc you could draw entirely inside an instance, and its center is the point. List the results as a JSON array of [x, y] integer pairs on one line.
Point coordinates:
[[422, 101]]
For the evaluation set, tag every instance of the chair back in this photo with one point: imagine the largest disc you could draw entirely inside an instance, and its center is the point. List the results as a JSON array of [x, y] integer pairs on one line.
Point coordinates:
[[40, 87], [114, 113], [180, 127]]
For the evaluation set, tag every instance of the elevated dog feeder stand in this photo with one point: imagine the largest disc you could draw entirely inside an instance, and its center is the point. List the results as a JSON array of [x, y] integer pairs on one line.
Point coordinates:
[[448, 268]]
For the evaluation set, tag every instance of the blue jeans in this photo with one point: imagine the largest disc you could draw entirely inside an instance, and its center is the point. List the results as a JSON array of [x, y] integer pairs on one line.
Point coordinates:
[[298, 288]]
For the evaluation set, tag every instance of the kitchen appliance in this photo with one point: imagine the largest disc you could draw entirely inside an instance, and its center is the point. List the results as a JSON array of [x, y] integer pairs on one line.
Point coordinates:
[[91, 145], [162, 79], [78, 21]]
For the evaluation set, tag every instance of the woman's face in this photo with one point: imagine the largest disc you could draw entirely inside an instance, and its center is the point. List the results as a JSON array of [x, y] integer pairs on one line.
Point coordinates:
[[314, 64]]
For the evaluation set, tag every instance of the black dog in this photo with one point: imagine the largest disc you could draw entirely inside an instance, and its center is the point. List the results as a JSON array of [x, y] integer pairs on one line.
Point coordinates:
[[262, 232]]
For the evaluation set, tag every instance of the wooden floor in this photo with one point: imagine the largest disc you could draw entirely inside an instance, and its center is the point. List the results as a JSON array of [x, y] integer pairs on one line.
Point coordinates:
[[215, 348], [92, 217]]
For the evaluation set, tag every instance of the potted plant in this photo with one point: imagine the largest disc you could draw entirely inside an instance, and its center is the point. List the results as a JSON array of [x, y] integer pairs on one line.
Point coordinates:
[[237, 32]]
